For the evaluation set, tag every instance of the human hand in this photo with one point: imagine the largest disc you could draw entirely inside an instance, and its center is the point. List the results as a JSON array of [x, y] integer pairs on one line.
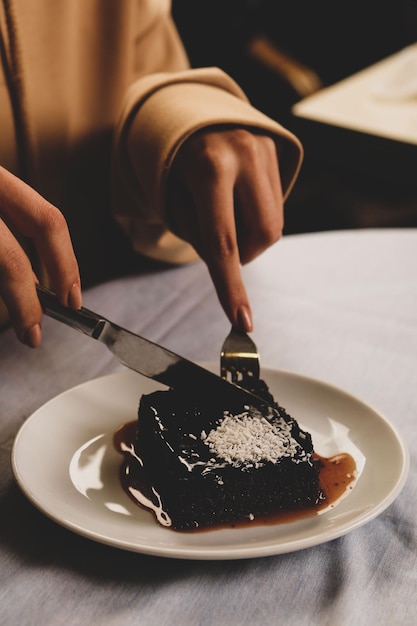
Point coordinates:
[[24, 213], [225, 198]]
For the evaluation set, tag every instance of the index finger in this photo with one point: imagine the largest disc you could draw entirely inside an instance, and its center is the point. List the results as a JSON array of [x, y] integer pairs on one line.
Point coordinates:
[[218, 246]]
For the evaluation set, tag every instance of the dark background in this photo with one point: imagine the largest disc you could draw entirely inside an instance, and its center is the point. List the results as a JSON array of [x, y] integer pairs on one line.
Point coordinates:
[[327, 41]]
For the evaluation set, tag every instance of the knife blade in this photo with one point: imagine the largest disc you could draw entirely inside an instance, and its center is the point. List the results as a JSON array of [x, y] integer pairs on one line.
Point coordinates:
[[146, 357]]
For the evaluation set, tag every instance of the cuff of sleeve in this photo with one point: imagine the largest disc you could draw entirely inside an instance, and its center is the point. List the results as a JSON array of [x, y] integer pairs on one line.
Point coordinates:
[[166, 115]]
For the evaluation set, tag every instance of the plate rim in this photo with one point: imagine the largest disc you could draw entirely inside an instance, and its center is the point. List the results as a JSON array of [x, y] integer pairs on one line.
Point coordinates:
[[211, 553]]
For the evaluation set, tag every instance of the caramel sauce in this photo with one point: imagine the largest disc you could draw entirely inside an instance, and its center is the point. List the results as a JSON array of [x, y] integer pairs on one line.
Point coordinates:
[[126, 434], [336, 473]]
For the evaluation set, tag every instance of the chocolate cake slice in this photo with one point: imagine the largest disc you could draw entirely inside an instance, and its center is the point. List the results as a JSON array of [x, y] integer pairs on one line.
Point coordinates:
[[196, 466]]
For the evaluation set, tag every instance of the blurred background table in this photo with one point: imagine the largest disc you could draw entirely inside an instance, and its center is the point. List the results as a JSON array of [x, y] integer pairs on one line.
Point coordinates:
[[360, 141], [336, 306]]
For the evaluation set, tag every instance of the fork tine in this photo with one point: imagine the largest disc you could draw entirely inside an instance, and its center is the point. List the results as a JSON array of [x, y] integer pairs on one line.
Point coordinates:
[[239, 359]]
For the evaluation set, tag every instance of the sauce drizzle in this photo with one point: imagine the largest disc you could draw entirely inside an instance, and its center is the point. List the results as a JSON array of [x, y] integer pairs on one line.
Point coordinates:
[[337, 475]]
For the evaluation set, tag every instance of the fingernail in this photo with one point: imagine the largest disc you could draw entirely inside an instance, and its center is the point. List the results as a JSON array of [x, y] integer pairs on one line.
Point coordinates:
[[33, 336], [74, 297], [245, 319]]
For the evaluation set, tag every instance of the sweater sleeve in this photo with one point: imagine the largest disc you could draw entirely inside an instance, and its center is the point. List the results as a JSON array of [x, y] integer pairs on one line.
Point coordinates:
[[160, 112]]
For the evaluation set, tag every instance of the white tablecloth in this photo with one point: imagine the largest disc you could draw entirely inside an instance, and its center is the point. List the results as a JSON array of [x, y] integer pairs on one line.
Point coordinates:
[[340, 307]]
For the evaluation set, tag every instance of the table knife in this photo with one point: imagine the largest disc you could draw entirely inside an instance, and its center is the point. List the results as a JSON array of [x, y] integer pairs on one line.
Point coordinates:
[[146, 357]]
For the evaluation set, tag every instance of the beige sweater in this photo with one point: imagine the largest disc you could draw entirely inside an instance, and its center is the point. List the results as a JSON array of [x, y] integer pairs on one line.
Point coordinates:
[[96, 97]]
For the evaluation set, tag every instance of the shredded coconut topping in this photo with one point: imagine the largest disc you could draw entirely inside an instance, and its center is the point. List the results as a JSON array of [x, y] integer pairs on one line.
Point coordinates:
[[246, 438]]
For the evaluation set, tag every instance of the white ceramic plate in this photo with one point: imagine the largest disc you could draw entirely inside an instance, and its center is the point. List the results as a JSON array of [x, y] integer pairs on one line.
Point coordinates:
[[64, 461]]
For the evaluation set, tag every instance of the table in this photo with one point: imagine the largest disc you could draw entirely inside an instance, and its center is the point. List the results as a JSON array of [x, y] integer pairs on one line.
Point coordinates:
[[336, 306], [379, 100], [365, 126]]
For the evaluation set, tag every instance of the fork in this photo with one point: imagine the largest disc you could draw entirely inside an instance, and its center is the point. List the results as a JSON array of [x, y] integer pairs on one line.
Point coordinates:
[[239, 359]]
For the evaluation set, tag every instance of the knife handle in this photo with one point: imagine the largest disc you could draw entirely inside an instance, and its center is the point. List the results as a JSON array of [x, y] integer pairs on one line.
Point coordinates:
[[82, 319]]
